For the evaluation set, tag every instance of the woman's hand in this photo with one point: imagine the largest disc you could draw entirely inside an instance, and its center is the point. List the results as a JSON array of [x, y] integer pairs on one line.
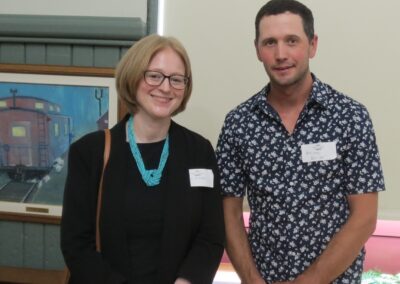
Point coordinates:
[[181, 281]]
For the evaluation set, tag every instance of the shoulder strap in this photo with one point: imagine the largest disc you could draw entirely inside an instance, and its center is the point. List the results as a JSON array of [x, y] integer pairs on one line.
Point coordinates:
[[106, 155]]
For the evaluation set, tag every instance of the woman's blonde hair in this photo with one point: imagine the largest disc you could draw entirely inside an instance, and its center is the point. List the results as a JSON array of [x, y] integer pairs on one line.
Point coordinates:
[[130, 70]]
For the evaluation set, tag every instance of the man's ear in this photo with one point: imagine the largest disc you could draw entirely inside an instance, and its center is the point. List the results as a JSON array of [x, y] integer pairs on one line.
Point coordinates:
[[256, 47], [313, 46]]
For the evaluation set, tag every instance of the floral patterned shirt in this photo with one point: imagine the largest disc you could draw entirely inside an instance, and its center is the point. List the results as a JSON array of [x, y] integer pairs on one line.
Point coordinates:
[[298, 200]]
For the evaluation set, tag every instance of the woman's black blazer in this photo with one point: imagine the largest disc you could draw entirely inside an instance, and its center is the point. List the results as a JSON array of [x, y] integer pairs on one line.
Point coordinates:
[[193, 236]]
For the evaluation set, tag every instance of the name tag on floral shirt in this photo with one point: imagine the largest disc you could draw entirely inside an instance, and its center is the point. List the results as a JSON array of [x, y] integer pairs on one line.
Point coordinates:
[[201, 177], [322, 151]]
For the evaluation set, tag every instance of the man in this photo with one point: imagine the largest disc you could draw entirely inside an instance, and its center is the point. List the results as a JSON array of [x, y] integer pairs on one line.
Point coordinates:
[[307, 157]]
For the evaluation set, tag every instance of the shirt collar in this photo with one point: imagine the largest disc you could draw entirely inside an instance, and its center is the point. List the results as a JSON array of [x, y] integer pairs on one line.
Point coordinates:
[[319, 94]]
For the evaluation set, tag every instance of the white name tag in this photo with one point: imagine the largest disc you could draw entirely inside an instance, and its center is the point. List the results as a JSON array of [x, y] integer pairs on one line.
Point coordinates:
[[322, 151], [201, 177]]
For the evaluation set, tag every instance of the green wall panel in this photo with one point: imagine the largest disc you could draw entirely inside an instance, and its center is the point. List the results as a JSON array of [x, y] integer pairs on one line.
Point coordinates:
[[30, 245], [12, 53], [11, 243], [33, 245], [83, 56], [52, 252], [35, 53], [106, 56], [71, 27], [124, 50], [59, 55]]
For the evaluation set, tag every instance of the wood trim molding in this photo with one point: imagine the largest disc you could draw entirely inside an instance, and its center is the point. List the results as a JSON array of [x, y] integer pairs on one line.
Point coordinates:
[[32, 218], [30, 275], [58, 70]]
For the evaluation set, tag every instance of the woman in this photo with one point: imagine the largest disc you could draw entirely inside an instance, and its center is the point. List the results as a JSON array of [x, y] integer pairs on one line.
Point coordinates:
[[161, 217]]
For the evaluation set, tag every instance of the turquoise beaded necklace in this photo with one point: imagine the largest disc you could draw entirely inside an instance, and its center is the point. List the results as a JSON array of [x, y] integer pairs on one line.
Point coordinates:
[[150, 177]]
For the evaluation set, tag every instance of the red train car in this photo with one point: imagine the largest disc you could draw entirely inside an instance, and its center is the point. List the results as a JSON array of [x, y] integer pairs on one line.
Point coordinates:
[[33, 136]]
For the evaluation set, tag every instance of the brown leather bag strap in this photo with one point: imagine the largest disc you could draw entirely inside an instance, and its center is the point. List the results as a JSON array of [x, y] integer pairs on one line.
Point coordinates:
[[106, 155]]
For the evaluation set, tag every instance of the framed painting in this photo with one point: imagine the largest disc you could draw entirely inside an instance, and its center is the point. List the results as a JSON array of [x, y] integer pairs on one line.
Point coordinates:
[[40, 116]]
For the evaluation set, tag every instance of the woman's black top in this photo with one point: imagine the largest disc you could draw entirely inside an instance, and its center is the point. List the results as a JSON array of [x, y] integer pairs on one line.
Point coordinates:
[[144, 208]]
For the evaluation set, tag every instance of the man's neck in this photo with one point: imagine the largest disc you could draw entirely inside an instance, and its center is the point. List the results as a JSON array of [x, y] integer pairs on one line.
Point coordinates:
[[289, 101], [293, 96]]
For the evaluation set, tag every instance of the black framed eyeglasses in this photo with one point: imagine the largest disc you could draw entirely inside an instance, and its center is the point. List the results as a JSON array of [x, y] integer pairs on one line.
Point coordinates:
[[155, 78]]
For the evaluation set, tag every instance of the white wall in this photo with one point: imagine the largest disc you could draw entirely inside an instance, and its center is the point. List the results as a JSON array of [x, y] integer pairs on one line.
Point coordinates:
[[358, 54]]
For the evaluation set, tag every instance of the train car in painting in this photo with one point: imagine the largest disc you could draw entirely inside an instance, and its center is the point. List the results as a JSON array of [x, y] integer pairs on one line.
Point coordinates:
[[34, 135]]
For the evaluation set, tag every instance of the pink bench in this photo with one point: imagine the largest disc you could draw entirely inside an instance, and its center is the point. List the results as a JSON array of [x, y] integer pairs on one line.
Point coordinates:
[[383, 247]]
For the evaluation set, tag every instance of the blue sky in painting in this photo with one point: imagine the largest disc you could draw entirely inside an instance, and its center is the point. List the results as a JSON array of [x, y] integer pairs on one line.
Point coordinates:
[[78, 102]]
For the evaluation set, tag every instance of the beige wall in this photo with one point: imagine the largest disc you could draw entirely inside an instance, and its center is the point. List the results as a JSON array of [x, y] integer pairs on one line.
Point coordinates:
[[358, 54]]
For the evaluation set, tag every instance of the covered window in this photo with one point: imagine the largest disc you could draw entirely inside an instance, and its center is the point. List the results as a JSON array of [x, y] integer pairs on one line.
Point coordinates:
[[18, 131], [56, 129], [39, 105]]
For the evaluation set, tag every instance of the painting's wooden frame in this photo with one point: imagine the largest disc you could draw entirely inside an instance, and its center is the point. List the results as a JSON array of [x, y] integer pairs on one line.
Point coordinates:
[[57, 70], [38, 217]]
